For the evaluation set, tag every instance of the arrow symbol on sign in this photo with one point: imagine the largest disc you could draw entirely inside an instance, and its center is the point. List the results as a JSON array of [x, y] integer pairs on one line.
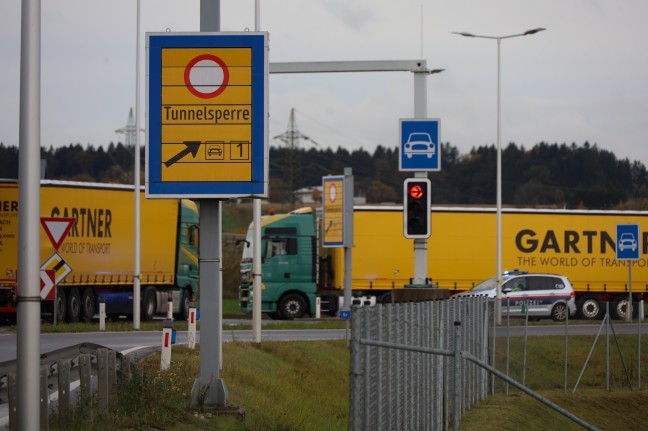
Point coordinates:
[[192, 147], [330, 225]]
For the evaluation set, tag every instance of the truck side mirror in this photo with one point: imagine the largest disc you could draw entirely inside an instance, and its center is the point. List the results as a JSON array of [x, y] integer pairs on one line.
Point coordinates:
[[241, 241]]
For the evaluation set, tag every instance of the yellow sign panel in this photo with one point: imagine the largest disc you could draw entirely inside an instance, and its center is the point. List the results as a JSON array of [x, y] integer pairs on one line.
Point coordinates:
[[206, 114], [332, 198]]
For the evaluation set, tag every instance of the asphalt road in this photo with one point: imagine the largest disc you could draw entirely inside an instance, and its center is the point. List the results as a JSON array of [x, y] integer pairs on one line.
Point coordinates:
[[127, 342]]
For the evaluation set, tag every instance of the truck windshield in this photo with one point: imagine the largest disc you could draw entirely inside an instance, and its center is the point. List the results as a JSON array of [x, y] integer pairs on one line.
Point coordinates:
[[247, 245]]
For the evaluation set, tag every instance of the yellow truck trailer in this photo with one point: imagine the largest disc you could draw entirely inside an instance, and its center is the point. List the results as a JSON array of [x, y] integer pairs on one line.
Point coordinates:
[[95, 261], [461, 253]]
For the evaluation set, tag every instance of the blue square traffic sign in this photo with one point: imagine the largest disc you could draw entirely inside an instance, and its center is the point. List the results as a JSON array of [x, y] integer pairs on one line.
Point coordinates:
[[345, 314], [419, 148], [627, 242]]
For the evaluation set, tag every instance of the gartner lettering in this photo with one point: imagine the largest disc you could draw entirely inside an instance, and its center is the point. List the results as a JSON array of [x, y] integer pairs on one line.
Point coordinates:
[[90, 222], [9, 206], [587, 241]]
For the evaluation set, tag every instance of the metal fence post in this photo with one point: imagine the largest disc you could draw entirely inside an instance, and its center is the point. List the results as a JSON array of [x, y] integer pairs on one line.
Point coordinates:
[[63, 370], [85, 377], [355, 423], [112, 378], [566, 347], [456, 404], [12, 393], [639, 319], [102, 381], [44, 399]]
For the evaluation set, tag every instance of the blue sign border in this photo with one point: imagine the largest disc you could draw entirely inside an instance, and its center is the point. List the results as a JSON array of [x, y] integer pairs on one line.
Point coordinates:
[[632, 228], [258, 186], [419, 163]]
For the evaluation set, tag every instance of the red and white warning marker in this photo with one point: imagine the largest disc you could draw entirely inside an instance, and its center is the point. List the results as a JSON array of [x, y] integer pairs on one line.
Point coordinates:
[[47, 285], [206, 76]]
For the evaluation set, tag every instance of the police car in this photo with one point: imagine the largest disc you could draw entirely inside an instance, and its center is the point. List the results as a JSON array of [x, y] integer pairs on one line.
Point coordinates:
[[539, 295]]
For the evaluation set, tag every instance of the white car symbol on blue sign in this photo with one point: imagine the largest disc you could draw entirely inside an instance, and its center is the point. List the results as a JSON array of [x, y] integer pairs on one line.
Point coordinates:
[[419, 145], [627, 241]]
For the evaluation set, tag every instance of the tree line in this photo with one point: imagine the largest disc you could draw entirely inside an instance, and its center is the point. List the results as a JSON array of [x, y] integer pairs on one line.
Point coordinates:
[[546, 175]]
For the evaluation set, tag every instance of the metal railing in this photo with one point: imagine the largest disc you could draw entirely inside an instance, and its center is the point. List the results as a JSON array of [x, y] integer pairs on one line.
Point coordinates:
[[423, 365], [93, 369], [418, 382]]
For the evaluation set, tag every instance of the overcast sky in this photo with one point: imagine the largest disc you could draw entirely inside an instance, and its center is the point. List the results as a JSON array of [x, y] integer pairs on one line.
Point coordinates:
[[583, 79]]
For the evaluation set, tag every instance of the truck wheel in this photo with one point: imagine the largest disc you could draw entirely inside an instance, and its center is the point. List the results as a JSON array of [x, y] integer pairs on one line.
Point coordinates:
[[148, 304], [74, 305], [620, 308], [292, 306], [386, 298], [60, 308], [590, 308], [184, 308], [88, 304], [559, 312]]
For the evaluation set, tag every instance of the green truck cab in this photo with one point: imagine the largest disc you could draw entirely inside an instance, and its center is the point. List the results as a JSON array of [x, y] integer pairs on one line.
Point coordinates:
[[289, 254]]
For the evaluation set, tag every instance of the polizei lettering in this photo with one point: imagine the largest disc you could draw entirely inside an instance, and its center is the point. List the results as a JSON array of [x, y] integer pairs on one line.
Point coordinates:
[[90, 222], [569, 241]]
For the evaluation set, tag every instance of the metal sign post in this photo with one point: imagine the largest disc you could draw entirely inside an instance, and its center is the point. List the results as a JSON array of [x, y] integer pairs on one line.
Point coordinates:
[[420, 152], [627, 248], [29, 301]]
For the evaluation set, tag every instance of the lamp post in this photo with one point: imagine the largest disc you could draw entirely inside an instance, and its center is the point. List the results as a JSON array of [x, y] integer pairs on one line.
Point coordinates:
[[499, 161]]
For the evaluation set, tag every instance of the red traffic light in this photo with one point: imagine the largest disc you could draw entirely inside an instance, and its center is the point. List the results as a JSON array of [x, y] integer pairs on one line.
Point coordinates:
[[416, 208], [416, 191]]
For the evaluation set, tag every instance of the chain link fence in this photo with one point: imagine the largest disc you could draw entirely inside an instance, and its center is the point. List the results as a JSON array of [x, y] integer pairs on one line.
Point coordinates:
[[405, 362]]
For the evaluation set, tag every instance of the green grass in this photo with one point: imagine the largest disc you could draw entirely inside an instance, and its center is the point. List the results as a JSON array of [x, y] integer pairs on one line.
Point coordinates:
[[278, 386], [305, 386], [616, 410]]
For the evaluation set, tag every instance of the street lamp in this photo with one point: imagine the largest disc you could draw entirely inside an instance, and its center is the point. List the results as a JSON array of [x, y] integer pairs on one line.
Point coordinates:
[[499, 161]]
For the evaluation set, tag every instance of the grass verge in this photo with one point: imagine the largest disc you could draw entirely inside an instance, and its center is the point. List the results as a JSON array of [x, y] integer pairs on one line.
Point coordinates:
[[278, 385], [305, 386]]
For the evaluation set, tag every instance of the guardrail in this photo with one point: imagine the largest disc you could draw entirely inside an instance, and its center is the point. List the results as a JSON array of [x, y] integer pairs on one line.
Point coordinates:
[[94, 369]]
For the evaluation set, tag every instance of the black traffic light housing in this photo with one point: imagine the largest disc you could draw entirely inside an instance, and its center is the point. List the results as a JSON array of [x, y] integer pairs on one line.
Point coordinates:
[[416, 208]]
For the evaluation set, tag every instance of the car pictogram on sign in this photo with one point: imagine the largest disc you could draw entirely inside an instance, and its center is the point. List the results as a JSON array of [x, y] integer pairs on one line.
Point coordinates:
[[627, 242], [419, 143]]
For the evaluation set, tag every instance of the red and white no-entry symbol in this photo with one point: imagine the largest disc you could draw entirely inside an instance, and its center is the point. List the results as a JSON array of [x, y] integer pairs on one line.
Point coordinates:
[[206, 76]]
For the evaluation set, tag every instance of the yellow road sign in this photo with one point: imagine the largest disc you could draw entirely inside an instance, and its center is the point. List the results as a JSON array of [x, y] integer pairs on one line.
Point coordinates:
[[333, 216], [207, 109], [199, 88]]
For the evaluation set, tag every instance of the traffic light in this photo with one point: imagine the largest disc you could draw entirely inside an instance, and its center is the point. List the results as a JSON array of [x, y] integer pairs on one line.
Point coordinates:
[[416, 208]]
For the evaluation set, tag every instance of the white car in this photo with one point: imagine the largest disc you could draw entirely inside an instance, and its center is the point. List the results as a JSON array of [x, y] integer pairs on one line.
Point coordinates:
[[539, 295], [419, 143]]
